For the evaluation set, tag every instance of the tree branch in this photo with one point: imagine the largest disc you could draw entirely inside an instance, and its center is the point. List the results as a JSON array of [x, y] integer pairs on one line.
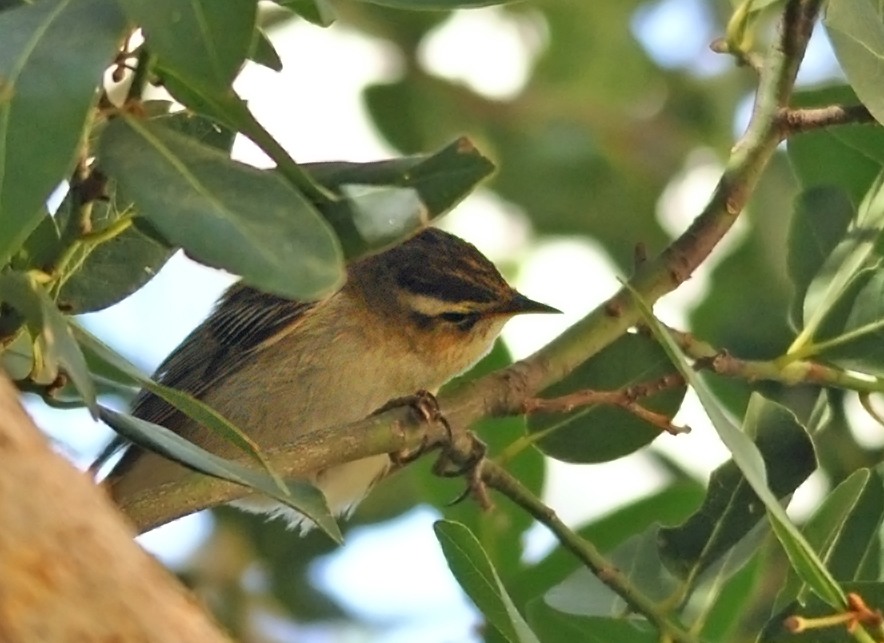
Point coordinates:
[[505, 392], [797, 121]]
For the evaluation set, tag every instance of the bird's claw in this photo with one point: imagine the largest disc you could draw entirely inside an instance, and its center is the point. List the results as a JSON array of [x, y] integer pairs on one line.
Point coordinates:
[[426, 406]]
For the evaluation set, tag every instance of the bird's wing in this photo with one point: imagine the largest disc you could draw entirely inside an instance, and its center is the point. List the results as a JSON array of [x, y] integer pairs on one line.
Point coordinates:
[[243, 321]]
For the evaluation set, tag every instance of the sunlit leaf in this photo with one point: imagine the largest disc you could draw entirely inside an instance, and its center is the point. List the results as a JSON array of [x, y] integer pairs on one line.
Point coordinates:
[[297, 494], [202, 40], [223, 213], [46, 94], [319, 12], [554, 626], [384, 202], [856, 31], [598, 433], [264, 53], [184, 402], [819, 222], [472, 569], [669, 506]]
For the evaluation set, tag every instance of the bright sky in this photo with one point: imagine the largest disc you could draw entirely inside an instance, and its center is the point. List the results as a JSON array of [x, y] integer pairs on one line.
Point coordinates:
[[316, 119]]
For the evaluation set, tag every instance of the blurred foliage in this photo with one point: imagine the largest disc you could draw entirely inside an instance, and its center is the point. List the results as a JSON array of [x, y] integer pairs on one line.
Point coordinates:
[[604, 126]]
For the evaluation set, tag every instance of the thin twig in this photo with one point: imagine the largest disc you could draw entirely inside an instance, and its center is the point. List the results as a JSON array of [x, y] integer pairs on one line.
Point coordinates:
[[626, 398], [796, 121], [797, 373]]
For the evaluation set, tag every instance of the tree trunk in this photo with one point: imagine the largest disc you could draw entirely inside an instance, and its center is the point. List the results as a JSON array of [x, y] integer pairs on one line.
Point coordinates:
[[69, 568]]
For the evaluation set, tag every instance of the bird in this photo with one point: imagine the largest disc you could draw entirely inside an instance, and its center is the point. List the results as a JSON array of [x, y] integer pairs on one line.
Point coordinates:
[[407, 319]]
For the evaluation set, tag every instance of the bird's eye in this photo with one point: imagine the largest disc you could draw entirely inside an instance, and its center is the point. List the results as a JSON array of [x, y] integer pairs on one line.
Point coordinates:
[[464, 321]]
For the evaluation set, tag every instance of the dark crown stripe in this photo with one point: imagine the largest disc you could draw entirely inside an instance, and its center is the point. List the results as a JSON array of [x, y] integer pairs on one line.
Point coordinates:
[[445, 288]]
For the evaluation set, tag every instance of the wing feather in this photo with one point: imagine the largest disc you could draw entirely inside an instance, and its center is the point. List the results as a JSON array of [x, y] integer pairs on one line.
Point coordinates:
[[243, 321]]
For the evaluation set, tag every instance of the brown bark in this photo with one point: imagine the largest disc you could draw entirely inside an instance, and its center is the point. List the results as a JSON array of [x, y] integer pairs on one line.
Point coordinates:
[[69, 568]]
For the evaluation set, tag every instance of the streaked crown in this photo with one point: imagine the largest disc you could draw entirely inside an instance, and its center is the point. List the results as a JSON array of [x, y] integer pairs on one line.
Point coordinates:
[[438, 275]]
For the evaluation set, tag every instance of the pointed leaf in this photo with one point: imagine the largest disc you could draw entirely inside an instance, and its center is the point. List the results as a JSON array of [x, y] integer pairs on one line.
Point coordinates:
[[854, 253], [57, 347], [319, 12], [45, 99], [856, 31], [223, 213], [437, 5], [201, 40], [669, 506], [844, 530], [825, 527], [600, 433], [818, 224], [182, 401], [297, 494], [745, 454], [384, 202], [554, 626], [478, 578], [852, 336], [731, 508]]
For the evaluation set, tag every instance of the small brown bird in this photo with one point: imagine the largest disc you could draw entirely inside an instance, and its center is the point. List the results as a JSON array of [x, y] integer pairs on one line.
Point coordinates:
[[407, 319]]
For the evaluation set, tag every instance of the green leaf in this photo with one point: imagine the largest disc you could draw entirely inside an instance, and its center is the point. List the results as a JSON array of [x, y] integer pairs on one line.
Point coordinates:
[[747, 457], [478, 578], [729, 615], [554, 626], [600, 433], [731, 508], [17, 357], [45, 99], [203, 41], [637, 558], [264, 53], [850, 256], [819, 222], [851, 336], [668, 506], [856, 31], [384, 202], [110, 271], [437, 5], [854, 153], [825, 527], [500, 532], [319, 12], [297, 494], [223, 213], [56, 348]]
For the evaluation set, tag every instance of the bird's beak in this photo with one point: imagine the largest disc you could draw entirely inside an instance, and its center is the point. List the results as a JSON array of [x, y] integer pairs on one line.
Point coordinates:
[[519, 304]]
